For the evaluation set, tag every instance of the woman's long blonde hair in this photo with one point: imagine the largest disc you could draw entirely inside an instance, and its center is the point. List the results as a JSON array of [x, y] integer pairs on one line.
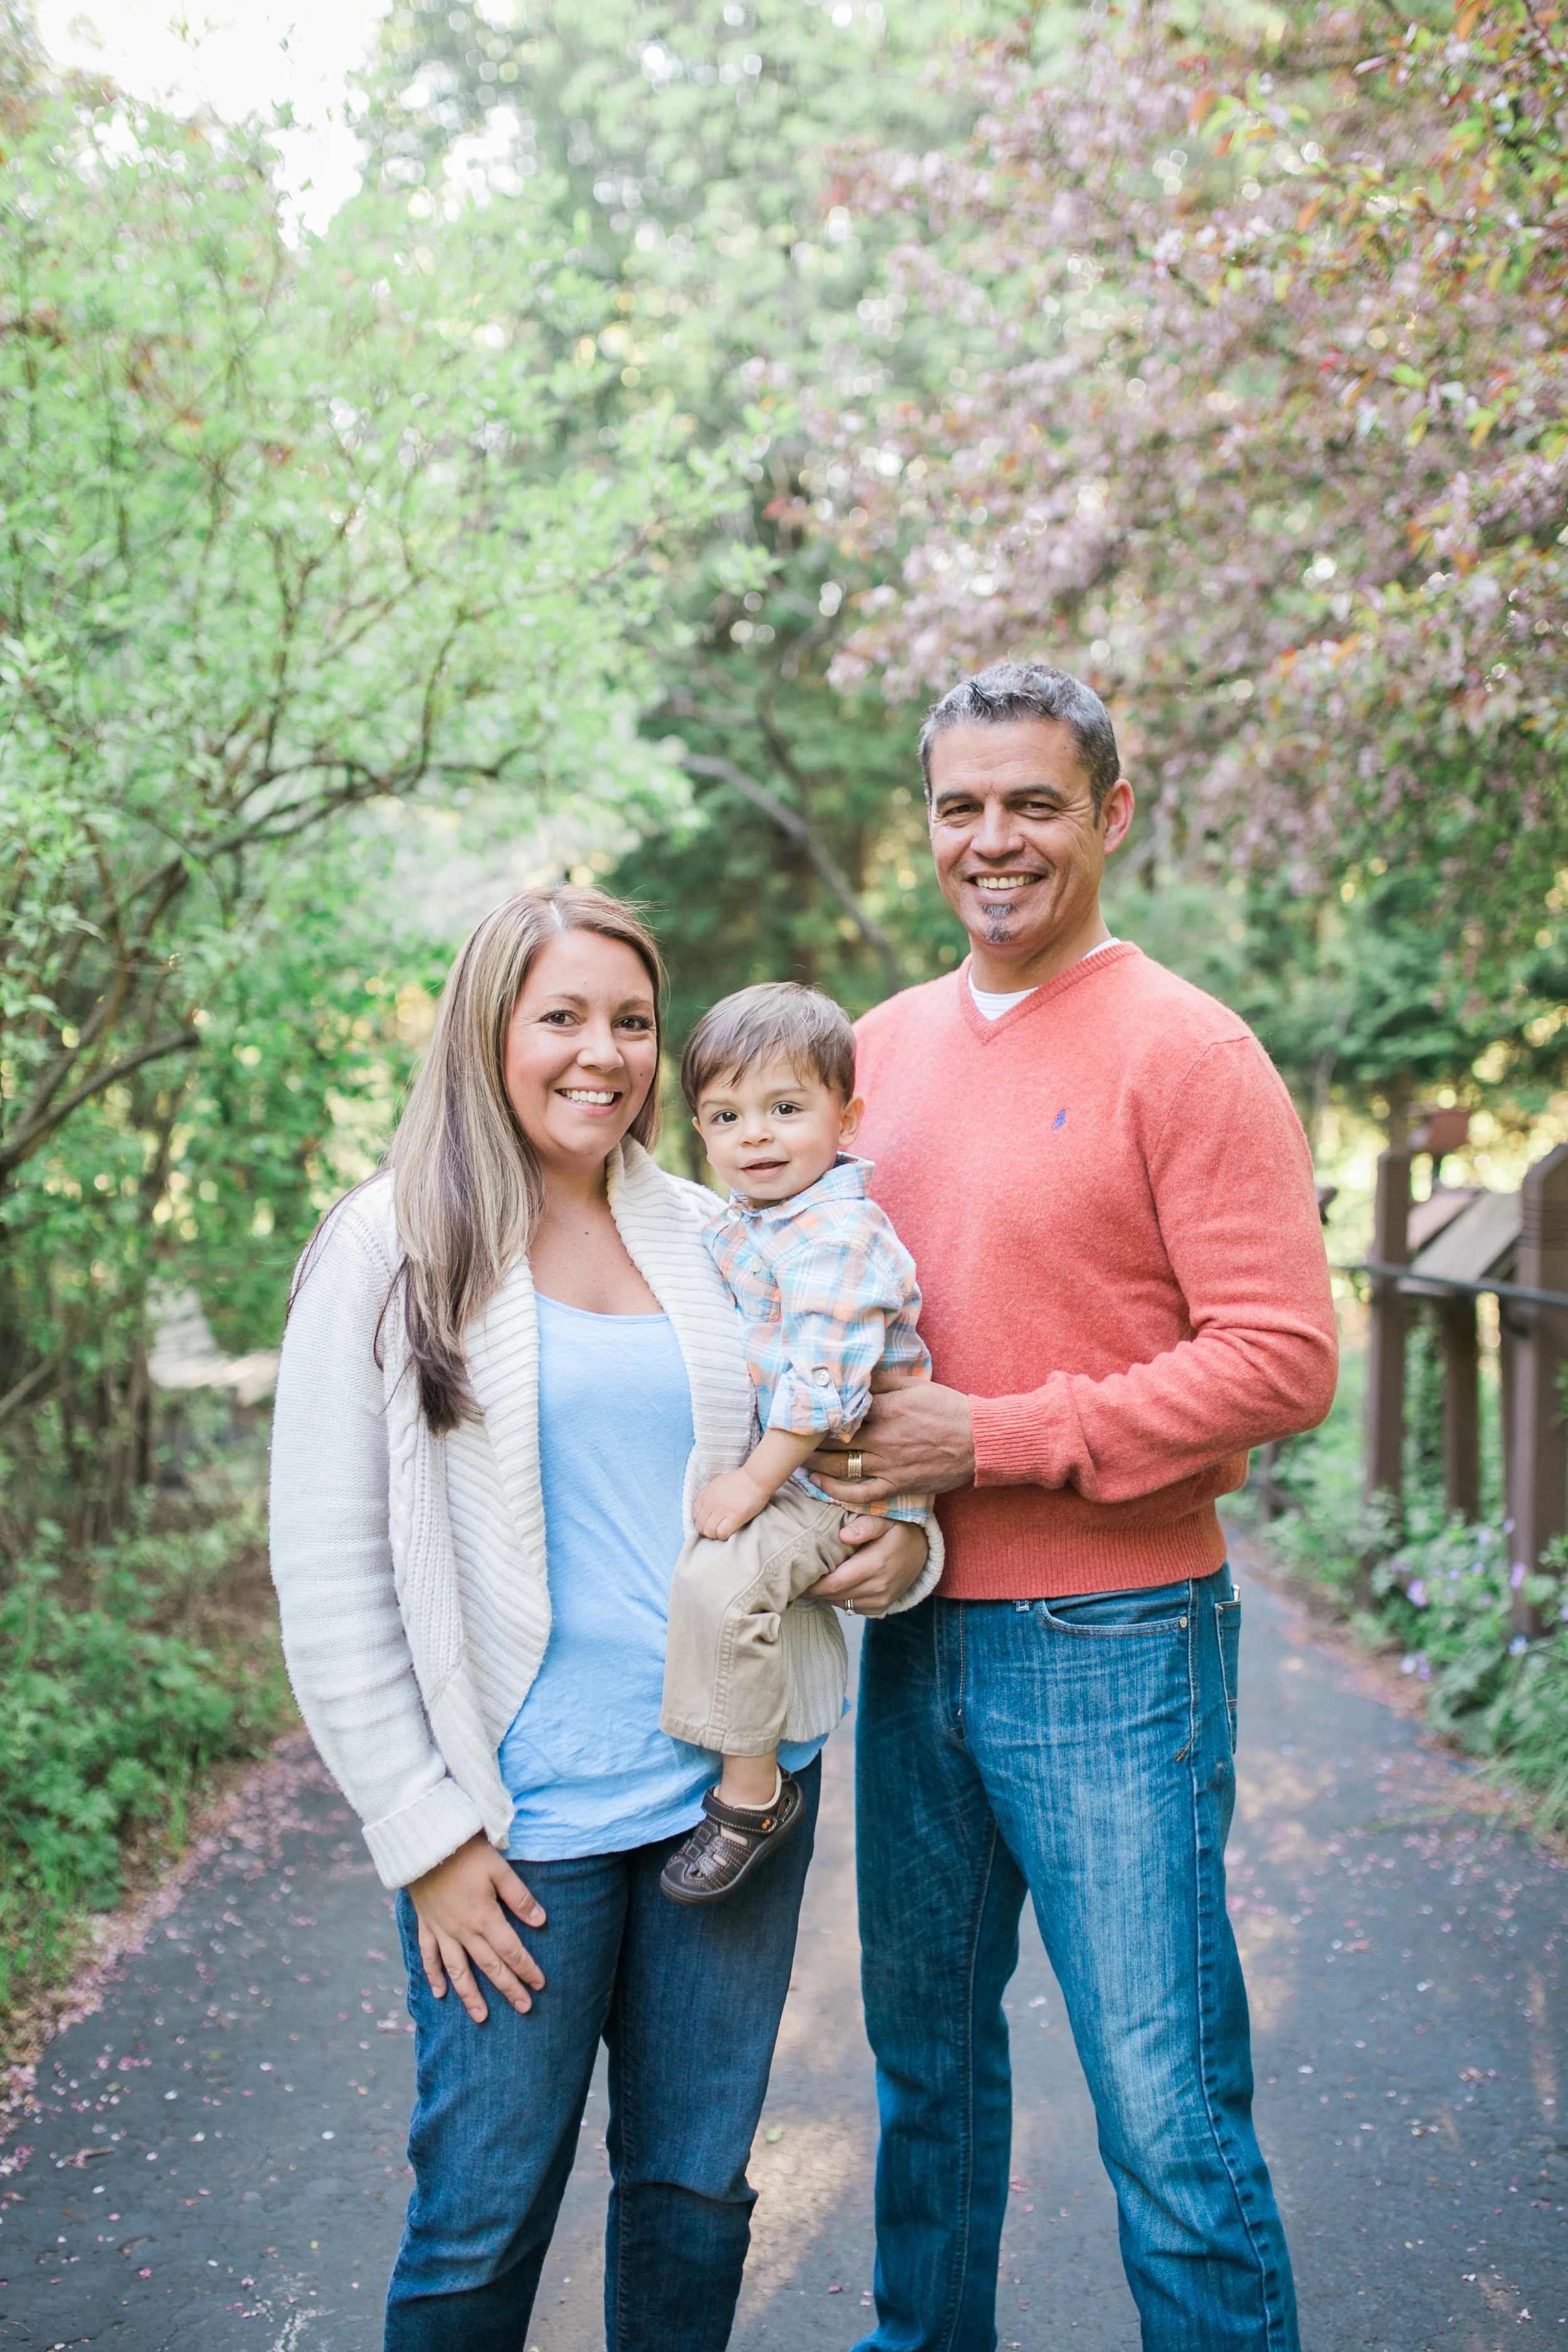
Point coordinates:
[[468, 1187]]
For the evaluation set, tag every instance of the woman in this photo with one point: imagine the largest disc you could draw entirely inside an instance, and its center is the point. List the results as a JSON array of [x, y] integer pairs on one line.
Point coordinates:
[[514, 1340]]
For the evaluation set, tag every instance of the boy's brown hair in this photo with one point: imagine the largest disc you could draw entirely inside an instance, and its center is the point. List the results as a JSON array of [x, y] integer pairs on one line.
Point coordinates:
[[776, 1020]]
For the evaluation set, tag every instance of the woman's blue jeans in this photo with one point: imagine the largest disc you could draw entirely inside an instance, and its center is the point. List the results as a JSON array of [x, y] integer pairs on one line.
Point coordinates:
[[1081, 1752], [687, 2001]]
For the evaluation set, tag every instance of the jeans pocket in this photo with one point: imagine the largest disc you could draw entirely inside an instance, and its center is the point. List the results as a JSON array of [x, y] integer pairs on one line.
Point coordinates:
[[1113, 1616], [1228, 1625]]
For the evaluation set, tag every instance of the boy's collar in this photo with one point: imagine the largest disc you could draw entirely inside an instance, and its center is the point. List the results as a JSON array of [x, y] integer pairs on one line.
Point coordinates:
[[844, 1181]]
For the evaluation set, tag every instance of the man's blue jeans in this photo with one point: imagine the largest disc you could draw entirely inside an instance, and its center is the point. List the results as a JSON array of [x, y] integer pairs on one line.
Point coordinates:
[[687, 1999], [1081, 1752]]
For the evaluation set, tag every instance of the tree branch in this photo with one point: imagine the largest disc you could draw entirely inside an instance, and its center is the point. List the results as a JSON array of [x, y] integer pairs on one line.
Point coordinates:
[[106, 1012], [42, 1125], [793, 827], [32, 1381]]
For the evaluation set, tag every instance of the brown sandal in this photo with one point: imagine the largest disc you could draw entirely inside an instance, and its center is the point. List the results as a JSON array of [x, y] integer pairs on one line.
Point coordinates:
[[709, 1864]]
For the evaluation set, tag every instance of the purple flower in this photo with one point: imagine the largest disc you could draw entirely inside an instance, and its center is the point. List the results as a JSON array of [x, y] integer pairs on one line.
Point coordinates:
[[1518, 1646], [1516, 1574], [1417, 1593]]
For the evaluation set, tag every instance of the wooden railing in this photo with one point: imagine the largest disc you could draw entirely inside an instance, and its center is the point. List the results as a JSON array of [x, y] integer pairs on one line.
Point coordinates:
[[1532, 1312]]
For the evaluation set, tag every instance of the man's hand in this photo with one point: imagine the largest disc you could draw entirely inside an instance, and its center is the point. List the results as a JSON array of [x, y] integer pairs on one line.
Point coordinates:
[[727, 1503], [463, 1926], [886, 1556], [917, 1439]]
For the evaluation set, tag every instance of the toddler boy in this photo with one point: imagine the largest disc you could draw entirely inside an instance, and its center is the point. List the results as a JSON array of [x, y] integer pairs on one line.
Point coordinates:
[[827, 1294]]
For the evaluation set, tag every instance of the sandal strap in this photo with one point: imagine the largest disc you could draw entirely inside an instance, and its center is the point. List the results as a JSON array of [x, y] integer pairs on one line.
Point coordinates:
[[711, 1858], [750, 1820]]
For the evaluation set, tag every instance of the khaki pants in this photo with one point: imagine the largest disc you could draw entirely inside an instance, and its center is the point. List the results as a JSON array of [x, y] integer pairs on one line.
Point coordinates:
[[723, 1667]]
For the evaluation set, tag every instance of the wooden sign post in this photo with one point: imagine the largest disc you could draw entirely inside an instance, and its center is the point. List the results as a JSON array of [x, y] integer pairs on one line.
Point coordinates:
[[1385, 1344], [1461, 1407], [1538, 1448]]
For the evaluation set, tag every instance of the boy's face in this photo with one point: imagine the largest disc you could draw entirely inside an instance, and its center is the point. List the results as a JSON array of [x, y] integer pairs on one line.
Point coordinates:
[[770, 1132]]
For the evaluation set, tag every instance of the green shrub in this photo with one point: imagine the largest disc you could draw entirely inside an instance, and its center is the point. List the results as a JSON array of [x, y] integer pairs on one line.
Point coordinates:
[[114, 1704], [1443, 1592], [1329, 1525], [1448, 1599]]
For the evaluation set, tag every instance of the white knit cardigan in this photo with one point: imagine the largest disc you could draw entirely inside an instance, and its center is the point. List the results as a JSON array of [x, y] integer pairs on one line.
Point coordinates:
[[411, 1569]]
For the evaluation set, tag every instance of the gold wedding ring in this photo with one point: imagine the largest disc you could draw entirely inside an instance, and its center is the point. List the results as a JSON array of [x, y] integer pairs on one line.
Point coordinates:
[[855, 1469]]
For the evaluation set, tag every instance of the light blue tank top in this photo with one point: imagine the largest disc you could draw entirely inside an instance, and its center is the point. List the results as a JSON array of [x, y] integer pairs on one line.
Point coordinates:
[[585, 1761]]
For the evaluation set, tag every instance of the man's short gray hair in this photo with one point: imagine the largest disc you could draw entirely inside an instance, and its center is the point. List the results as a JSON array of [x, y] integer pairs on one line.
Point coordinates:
[[1030, 690]]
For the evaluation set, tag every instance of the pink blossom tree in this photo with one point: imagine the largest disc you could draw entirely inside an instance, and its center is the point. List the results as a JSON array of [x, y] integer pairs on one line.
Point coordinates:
[[1259, 424]]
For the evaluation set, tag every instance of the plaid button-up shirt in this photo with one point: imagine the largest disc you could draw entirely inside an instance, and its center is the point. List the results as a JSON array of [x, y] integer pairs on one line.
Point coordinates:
[[827, 1294]]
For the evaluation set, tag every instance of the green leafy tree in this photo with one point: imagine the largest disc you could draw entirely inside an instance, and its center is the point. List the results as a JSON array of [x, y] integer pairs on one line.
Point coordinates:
[[684, 147], [1361, 994], [289, 532], [306, 1051]]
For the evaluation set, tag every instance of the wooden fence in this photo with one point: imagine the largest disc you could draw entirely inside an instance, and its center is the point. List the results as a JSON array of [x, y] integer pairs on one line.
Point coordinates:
[[1455, 1248]]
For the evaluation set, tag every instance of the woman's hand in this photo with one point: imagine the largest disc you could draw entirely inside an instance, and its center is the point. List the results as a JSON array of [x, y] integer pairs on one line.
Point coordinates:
[[463, 1926], [887, 1556]]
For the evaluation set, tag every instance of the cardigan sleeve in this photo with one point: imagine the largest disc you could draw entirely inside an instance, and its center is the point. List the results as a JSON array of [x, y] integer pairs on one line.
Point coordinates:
[[343, 1640], [930, 1577], [1232, 1182]]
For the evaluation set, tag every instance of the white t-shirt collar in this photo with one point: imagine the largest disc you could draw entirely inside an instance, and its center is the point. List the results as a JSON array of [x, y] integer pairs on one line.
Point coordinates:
[[992, 1004]]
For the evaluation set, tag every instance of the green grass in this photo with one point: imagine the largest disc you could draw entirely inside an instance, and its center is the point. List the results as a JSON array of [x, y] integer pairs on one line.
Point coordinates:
[[124, 1681], [1442, 1597]]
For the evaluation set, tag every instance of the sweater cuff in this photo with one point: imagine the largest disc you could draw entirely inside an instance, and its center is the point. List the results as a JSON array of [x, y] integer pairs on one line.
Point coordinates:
[[404, 1846], [1024, 1440]]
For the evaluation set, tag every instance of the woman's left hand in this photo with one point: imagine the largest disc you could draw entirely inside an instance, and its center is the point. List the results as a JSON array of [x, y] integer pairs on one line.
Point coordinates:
[[886, 1556]]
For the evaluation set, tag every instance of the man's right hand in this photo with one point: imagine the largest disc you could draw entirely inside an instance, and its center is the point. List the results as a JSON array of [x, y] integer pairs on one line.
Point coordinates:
[[917, 1439], [462, 1926]]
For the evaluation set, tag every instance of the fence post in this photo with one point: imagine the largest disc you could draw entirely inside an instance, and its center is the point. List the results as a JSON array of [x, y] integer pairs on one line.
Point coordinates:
[[1538, 1466], [1461, 1407], [1385, 1344]]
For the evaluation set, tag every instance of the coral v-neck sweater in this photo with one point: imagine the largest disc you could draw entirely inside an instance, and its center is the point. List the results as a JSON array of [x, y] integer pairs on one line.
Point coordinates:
[[1111, 1205]]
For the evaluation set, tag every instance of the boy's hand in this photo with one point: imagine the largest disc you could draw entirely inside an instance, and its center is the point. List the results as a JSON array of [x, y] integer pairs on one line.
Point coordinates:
[[726, 1503]]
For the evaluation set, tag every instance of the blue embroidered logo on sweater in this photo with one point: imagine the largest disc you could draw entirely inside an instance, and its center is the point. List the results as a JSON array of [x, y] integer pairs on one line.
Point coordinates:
[[1061, 1120]]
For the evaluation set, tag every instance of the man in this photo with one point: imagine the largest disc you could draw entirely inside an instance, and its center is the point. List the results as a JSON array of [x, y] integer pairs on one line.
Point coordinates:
[[1111, 1204]]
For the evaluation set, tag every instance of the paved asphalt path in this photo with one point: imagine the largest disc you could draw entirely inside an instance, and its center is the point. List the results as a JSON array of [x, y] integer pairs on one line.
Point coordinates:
[[217, 2159]]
